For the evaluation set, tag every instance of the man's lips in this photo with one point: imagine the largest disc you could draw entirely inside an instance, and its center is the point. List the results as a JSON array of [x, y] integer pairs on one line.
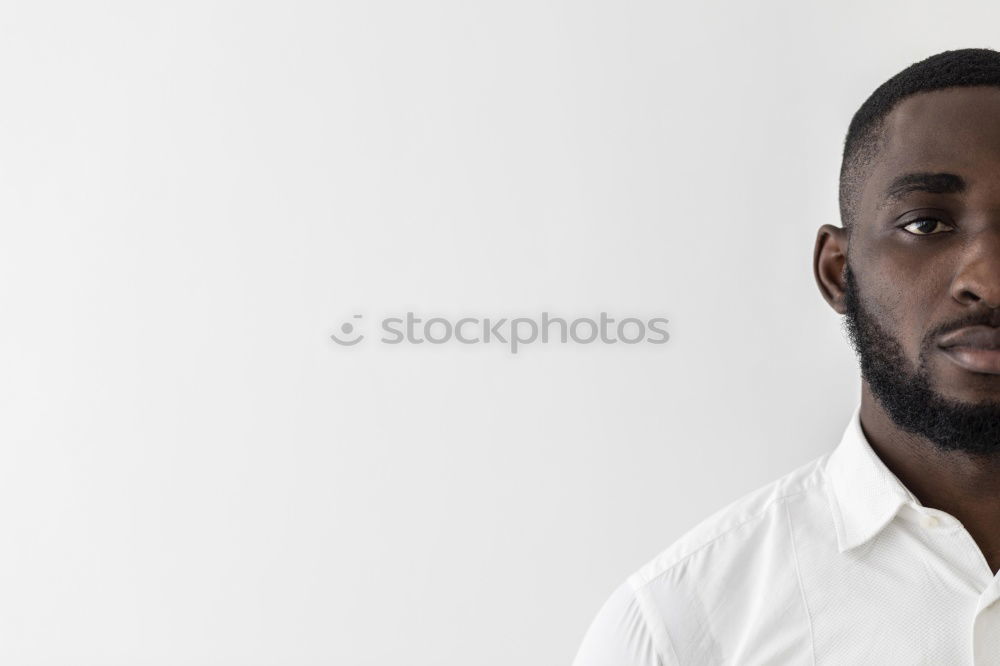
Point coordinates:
[[975, 348], [979, 337]]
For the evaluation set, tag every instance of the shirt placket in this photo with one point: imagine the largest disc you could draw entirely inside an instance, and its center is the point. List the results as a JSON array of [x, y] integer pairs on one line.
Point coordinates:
[[968, 559], [986, 628], [986, 625]]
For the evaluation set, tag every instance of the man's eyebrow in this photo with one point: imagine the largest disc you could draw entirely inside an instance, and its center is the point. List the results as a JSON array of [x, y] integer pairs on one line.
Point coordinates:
[[938, 183]]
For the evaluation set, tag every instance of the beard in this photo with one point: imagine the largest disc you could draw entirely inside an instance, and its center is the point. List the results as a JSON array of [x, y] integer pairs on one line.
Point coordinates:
[[906, 394]]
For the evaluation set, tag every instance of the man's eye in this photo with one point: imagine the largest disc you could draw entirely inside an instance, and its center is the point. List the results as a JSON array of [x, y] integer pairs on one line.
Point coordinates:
[[926, 226]]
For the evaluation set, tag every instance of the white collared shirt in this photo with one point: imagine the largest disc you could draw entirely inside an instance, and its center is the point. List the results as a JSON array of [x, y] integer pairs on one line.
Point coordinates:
[[836, 562]]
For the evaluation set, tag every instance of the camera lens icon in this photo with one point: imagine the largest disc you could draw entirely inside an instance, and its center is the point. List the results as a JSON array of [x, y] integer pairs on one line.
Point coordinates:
[[348, 329]]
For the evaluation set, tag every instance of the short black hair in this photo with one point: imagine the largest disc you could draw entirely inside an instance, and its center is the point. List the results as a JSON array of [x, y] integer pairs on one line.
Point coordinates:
[[866, 134]]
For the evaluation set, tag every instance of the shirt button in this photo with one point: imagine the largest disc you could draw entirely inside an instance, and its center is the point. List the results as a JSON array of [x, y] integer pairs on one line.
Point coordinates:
[[929, 521]]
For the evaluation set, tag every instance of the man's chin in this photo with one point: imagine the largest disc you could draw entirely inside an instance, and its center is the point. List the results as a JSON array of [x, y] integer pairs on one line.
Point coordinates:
[[951, 423], [961, 387], [965, 403]]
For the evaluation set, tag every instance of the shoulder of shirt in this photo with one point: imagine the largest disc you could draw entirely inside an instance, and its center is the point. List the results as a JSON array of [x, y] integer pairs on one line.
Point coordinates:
[[725, 522]]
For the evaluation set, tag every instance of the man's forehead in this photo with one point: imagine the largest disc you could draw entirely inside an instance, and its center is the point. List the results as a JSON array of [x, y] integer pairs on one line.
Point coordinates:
[[954, 130], [948, 124]]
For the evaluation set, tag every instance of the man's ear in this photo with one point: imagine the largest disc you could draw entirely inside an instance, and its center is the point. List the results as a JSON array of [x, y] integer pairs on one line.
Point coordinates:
[[829, 261]]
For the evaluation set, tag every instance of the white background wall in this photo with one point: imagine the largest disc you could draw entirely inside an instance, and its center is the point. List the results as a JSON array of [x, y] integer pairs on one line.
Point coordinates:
[[193, 196]]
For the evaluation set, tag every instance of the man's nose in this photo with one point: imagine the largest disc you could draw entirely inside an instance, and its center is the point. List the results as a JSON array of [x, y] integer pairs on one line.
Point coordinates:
[[978, 277]]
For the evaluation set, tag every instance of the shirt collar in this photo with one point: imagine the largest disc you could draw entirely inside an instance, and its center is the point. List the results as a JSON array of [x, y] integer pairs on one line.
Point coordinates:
[[864, 494]]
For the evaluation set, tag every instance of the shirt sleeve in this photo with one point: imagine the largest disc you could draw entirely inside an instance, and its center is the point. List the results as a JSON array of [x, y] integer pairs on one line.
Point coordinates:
[[619, 634]]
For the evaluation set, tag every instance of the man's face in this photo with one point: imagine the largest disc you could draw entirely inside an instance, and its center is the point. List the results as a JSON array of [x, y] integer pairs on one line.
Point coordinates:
[[922, 288]]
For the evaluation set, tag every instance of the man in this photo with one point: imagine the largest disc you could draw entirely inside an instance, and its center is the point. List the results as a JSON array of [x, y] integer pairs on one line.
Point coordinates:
[[886, 549]]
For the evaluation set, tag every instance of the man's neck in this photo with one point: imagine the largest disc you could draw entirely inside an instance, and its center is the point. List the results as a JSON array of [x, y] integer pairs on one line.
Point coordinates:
[[963, 485]]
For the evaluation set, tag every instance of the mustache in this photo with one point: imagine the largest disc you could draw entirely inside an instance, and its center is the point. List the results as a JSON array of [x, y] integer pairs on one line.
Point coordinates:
[[978, 318]]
